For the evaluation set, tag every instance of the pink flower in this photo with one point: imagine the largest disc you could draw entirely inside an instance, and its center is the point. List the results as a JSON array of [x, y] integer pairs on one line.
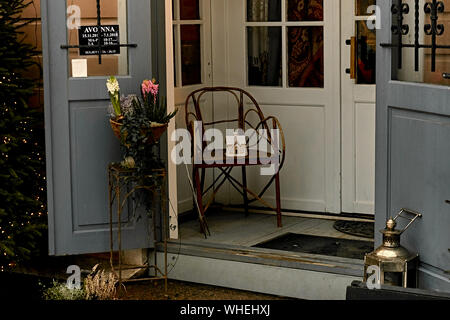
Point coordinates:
[[150, 87]]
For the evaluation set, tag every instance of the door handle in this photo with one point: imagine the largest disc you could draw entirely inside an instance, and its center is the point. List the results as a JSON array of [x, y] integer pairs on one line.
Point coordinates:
[[352, 70], [446, 75]]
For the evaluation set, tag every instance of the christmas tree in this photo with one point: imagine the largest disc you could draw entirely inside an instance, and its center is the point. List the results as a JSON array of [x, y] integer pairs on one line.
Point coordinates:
[[22, 163]]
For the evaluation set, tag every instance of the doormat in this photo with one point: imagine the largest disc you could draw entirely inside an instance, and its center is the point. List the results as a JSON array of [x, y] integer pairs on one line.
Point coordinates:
[[345, 248], [356, 228]]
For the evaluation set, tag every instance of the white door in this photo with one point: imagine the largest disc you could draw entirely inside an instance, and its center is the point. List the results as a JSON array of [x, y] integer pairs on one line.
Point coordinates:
[[192, 70], [284, 54], [358, 105]]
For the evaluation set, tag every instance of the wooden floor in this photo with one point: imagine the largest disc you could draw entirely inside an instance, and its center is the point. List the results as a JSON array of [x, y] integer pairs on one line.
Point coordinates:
[[234, 228]]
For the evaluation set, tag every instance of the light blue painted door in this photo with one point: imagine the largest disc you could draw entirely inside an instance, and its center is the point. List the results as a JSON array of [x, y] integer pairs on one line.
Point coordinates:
[[413, 141], [80, 142]]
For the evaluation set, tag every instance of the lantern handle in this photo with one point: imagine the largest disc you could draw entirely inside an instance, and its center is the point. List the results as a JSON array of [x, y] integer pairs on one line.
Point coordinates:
[[411, 220]]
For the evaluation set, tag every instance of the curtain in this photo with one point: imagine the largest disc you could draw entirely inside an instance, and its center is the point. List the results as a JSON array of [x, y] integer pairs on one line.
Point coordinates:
[[264, 43]]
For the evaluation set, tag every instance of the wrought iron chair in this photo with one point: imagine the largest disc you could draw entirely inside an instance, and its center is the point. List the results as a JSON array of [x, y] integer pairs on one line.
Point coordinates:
[[249, 116]]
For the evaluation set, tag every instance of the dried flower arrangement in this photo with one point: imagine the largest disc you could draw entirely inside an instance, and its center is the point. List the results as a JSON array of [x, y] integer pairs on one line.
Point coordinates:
[[100, 285]]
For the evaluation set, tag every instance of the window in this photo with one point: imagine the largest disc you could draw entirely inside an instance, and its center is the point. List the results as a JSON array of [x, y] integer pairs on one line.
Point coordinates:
[[187, 34], [289, 28], [366, 40], [431, 67], [114, 61]]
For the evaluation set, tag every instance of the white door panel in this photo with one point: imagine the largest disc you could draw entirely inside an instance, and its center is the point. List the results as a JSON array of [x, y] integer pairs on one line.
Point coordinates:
[[302, 164]]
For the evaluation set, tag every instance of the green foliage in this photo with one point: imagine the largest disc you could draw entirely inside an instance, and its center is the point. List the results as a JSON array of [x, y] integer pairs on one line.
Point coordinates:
[[59, 291], [98, 285], [153, 108], [137, 134], [22, 164], [139, 142]]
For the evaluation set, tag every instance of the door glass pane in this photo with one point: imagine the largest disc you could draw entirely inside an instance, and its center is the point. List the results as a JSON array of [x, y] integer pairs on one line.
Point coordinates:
[[264, 56], [305, 56], [191, 66], [305, 10], [362, 7], [114, 31], [425, 72], [189, 10], [366, 53], [263, 10]]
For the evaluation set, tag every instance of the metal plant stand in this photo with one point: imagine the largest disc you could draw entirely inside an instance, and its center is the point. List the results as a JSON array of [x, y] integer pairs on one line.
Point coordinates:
[[122, 180]]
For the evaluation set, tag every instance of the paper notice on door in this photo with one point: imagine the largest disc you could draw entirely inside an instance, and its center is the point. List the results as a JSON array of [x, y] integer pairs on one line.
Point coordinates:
[[79, 68]]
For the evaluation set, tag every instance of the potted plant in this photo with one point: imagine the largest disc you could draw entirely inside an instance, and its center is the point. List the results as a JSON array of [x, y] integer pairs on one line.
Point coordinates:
[[139, 122], [152, 110]]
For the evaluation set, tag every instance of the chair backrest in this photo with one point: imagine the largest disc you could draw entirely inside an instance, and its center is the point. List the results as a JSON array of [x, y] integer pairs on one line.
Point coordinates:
[[245, 103]]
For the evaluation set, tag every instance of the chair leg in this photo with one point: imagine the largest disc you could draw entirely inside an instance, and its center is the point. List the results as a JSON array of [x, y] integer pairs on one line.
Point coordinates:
[[202, 181], [278, 196], [244, 183], [199, 191]]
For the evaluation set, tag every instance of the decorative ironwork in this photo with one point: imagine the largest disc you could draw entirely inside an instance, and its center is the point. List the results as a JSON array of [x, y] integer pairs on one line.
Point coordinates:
[[416, 35], [400, 29], [433, 29], [99, 34], [122, 186]]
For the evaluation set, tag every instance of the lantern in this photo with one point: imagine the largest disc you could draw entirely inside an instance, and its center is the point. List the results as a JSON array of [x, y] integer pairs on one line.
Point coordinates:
[[396, 265]]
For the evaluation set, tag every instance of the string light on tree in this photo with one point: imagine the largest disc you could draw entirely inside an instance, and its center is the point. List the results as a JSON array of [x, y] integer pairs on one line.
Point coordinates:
[[22, 167]]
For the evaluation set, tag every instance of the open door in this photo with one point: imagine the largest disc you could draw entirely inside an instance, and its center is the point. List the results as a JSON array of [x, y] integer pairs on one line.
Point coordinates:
[[413, 129], [80, 143]]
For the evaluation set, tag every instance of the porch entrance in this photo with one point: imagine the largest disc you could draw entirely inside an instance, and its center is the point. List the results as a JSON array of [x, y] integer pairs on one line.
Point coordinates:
[[284, 54]]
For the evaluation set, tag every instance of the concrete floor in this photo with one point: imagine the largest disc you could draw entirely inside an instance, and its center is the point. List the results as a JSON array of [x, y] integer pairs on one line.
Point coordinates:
[[234, 228]]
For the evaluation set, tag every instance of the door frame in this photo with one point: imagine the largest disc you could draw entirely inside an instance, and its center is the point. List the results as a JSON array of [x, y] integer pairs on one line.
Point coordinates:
[[220, 76], [352, 94], [170, 93]]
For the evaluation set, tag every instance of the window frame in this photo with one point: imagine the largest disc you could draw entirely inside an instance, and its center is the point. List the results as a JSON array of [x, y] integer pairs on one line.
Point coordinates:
[[284, 24]]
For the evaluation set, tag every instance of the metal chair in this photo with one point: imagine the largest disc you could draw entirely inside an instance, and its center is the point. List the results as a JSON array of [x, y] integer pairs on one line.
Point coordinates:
[[247, 107]]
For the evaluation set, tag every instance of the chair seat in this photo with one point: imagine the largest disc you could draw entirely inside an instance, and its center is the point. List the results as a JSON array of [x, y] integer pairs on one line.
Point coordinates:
[[253, 158]]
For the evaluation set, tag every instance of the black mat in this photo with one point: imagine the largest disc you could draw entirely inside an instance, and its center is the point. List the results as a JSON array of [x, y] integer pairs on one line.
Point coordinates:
[[356, 228], [354, 249]]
